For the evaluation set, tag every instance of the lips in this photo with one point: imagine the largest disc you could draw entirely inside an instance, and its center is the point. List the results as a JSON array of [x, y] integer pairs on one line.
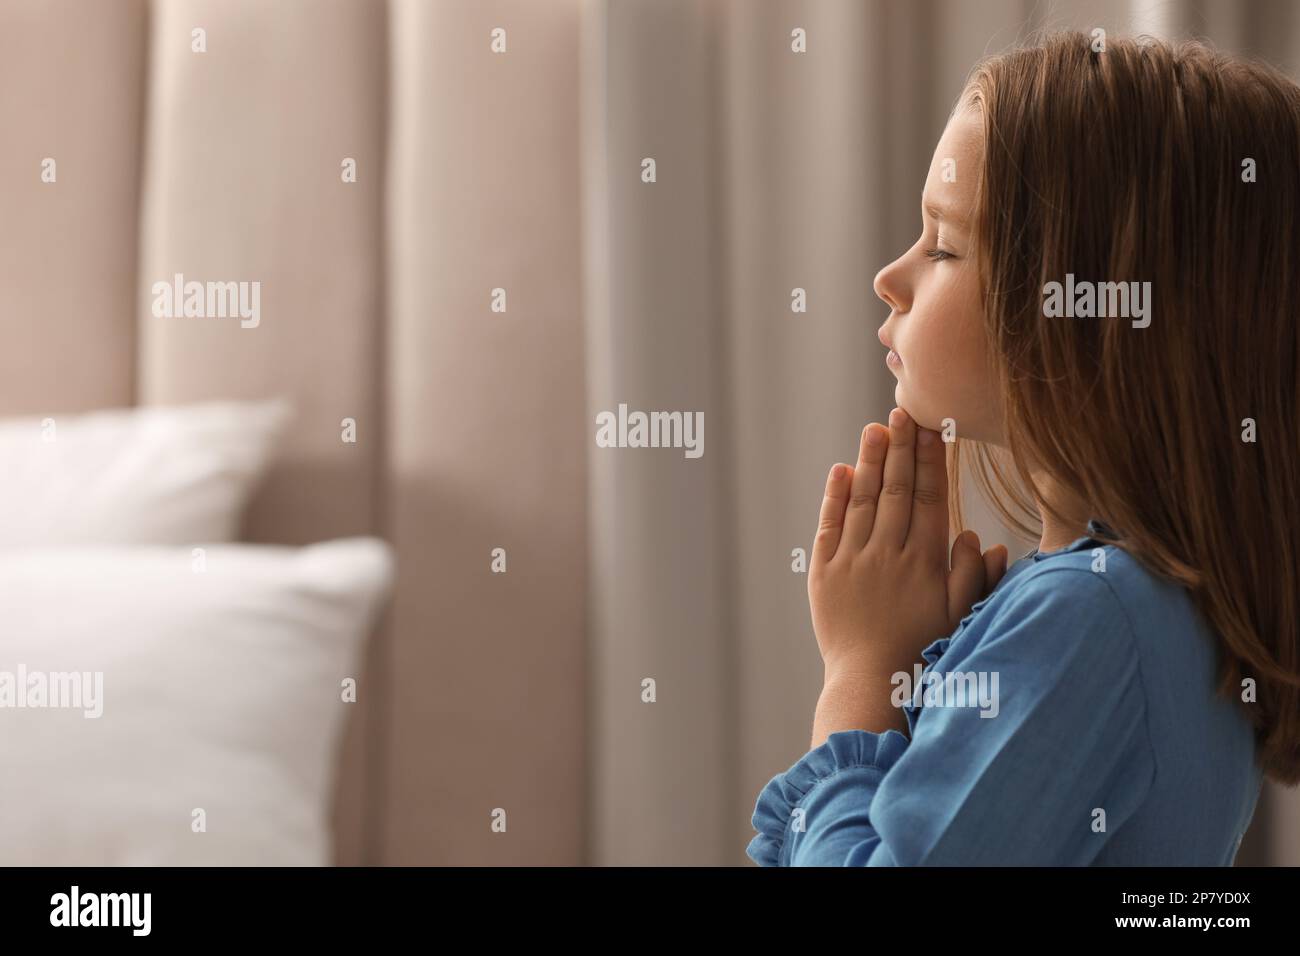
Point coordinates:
[[893, 360]]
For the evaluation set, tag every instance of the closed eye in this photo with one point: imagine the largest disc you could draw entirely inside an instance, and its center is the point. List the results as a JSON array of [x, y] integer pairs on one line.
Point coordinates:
[[938, 254]]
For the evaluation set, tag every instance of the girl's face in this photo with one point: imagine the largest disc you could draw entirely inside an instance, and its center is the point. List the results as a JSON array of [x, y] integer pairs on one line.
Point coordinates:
[[935, 328]]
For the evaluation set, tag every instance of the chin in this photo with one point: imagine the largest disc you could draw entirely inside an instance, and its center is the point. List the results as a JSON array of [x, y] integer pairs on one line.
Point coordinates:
[[922, 416], [904, 401]]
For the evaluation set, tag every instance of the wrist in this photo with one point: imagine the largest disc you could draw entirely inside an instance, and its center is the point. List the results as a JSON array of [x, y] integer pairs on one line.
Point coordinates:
[[857, 699], [862, 669]]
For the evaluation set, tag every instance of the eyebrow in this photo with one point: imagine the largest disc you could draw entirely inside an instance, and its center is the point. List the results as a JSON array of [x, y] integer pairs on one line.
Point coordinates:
[[941, 213]]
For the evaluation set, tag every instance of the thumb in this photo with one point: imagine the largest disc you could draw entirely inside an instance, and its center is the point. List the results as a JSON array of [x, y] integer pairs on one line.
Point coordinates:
[[966, 580], [995, 565]]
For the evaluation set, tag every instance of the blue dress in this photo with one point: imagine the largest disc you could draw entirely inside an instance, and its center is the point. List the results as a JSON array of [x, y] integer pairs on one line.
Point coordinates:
[[1070, 719]]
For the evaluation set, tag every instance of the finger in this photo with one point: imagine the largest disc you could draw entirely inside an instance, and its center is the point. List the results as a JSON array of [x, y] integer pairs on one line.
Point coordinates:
[[928, 531], [866, 486], [966, 580], [995, 565], [830, 522], [894, 511]]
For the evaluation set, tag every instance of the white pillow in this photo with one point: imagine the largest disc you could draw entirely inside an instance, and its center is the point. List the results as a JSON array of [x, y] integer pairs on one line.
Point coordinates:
[[149, 475], [222, 691]]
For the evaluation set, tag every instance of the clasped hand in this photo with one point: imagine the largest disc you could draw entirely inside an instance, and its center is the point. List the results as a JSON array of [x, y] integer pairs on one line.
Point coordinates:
[[883, 582]]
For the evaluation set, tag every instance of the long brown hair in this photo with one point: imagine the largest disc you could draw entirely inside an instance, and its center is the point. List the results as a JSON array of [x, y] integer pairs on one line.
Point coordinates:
[[1179, 165]]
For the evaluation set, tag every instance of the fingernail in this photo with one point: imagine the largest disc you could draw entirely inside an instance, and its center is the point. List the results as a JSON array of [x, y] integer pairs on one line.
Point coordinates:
[[926, 437], [874, 436], [837, 472], [897, 418]]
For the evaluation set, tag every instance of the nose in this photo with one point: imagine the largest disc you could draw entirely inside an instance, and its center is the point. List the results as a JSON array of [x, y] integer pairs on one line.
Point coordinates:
[[890, 287]]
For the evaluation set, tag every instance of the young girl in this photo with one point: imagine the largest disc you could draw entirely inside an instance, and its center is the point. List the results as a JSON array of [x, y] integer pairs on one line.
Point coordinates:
[[1104, 300]]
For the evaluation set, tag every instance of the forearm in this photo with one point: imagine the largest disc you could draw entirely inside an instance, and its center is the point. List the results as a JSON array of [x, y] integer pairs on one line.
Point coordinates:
[[858, 700]]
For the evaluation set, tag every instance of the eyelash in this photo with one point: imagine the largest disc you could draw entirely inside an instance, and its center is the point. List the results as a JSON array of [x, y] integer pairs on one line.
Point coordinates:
[[938, 255]]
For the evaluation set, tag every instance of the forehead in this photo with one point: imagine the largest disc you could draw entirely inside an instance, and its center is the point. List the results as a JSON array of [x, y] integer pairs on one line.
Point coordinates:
[[960, 149]]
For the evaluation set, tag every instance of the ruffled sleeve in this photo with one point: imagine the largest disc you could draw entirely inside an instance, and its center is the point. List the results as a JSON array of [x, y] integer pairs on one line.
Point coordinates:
[[846, 767], [780, 815]]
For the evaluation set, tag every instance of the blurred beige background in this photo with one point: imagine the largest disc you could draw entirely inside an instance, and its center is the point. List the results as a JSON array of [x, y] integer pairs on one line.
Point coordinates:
[[521, 171]]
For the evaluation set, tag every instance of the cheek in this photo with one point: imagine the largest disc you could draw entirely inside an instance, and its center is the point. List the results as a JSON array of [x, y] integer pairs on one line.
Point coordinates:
[[945, 374]]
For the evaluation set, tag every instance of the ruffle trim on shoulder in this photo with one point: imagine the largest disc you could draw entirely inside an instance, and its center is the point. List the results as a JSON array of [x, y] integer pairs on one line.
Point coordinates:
[[932, 653], [842, 750], [912, 706]]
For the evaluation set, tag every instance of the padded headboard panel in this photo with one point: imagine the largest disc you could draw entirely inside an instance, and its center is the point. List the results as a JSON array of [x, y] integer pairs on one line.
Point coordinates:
[[244, 155], [68, 249]]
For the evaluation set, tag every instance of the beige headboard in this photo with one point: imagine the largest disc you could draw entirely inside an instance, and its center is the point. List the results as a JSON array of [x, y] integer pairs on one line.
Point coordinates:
[[228, 165]]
